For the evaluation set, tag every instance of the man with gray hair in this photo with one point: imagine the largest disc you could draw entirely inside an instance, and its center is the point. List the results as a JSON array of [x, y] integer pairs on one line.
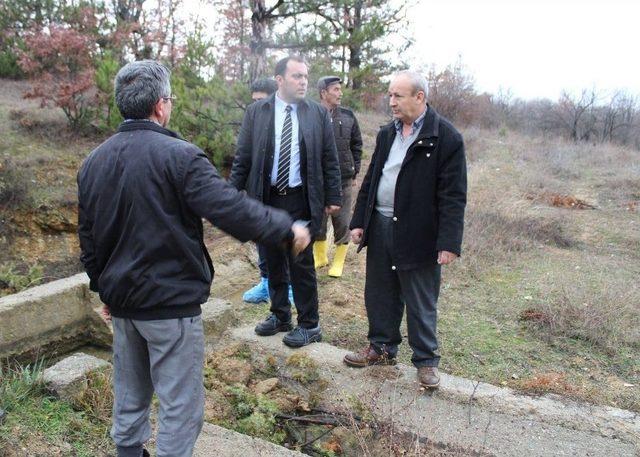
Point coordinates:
[[410, 215], [142, 195]]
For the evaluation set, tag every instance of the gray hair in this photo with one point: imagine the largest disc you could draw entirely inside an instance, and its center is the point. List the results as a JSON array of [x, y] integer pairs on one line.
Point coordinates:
[[138, 87], [418, 81]]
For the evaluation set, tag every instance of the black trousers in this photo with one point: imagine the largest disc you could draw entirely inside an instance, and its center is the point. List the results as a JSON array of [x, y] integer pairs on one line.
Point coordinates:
[[300, 270], [387, 291]]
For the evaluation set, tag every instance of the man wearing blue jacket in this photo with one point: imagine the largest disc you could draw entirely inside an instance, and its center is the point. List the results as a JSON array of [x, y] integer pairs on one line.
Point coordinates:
[[142, 196]]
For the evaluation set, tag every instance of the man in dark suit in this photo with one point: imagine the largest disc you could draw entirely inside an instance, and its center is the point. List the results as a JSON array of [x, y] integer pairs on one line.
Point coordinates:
[[286, 157], [410, 215]]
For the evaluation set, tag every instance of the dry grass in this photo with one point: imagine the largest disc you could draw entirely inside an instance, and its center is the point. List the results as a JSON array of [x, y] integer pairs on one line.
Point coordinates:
[[593, 307]]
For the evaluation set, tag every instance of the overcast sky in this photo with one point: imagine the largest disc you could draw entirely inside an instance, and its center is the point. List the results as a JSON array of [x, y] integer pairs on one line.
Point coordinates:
[[535, 48]]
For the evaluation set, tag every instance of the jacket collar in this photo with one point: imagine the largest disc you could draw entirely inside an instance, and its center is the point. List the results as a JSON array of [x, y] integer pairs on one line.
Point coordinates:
[[430, 125], [145, 124]]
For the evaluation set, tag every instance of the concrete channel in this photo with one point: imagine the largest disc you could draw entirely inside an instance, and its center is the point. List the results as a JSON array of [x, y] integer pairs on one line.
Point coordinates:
[[63, 315]]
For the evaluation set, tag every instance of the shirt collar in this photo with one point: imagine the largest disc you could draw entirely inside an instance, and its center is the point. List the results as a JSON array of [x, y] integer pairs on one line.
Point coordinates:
[[417, 124], [281, 104]]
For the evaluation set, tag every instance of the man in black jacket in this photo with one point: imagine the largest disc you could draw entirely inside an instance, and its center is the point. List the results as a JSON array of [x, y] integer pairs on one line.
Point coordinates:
[[349, 144], [286, 157], [142, 196], [410, 214]]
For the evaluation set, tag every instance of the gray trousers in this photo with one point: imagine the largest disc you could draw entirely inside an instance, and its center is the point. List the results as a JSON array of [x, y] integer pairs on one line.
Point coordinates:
[[341, 220], [388, 290], [165, 356]]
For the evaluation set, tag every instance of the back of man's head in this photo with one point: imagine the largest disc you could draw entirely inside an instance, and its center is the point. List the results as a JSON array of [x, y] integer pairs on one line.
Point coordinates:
[[138, 87], [266, 85]]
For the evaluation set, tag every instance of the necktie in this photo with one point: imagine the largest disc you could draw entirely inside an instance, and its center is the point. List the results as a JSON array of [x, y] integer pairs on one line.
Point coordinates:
[[284, 159]]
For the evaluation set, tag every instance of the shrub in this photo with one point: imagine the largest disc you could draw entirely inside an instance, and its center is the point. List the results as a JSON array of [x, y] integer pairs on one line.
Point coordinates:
[[9, 67], [60, 66], [14, 188], [594, 307], [209, 114], [108, 117]]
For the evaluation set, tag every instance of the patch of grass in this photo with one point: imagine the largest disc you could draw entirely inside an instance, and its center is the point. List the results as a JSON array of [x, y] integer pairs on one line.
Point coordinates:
[[593, 306], [18, 383], [96, 400], [39, 423], [12, 281]]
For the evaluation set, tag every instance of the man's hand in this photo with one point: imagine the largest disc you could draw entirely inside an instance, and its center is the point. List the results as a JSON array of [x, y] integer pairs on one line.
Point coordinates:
[[331, 209], [356, 235], [446, 257], [105, 312], [301, 238]]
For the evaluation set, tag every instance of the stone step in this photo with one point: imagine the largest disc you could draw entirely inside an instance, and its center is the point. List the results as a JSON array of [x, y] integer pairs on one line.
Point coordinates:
[[221, 442], [68, 377], [217, 316], [468, 414]]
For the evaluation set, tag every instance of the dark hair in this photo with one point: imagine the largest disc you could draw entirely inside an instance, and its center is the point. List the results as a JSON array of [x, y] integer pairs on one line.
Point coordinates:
[[266, 85], [138, 87], [281, 66]]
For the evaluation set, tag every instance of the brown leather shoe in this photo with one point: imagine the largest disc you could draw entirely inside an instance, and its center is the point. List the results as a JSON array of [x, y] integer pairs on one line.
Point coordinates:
[[368, 356], [428, 377]]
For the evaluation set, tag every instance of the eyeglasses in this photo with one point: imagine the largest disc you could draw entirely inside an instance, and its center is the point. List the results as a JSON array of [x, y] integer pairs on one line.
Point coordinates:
[[173, 98]]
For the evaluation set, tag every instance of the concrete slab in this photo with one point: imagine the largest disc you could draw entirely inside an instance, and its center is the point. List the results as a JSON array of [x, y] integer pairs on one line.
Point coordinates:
[[217, 317], [68, 377], [465, 413], [220, 442], [59, 312]]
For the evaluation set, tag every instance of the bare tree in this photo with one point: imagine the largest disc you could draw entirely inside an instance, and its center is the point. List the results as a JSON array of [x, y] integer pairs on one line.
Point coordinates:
[[574, 114]]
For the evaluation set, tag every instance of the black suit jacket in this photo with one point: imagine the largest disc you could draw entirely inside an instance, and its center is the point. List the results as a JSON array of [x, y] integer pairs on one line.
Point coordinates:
[[319, 164]]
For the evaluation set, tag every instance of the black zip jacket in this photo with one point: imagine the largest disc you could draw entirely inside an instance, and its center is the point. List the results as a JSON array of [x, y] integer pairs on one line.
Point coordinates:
[[348, 142], [430, 195], [142, 195]]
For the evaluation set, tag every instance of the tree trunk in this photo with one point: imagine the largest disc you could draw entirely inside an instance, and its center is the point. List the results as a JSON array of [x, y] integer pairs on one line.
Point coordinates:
[[259, 25], [355, 47]]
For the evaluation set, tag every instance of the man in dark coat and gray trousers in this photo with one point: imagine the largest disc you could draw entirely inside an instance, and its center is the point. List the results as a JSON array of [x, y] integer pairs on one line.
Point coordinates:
[[142, 195], [286, 157], [410, 215]]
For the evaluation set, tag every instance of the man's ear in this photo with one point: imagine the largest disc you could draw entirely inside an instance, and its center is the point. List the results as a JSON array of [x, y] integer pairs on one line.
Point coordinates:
[[159, 109]]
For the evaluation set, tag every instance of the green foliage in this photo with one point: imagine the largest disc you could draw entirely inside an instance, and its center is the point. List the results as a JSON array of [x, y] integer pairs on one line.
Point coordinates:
[[14, 281], [108, 118], [9, 67], [209, 114]]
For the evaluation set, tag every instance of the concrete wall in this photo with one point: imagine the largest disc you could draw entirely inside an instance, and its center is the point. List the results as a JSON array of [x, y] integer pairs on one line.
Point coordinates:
[[56, 314]]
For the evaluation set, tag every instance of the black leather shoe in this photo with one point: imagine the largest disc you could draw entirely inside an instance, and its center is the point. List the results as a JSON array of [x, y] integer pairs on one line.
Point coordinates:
[[301, 336], [272, 325]]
